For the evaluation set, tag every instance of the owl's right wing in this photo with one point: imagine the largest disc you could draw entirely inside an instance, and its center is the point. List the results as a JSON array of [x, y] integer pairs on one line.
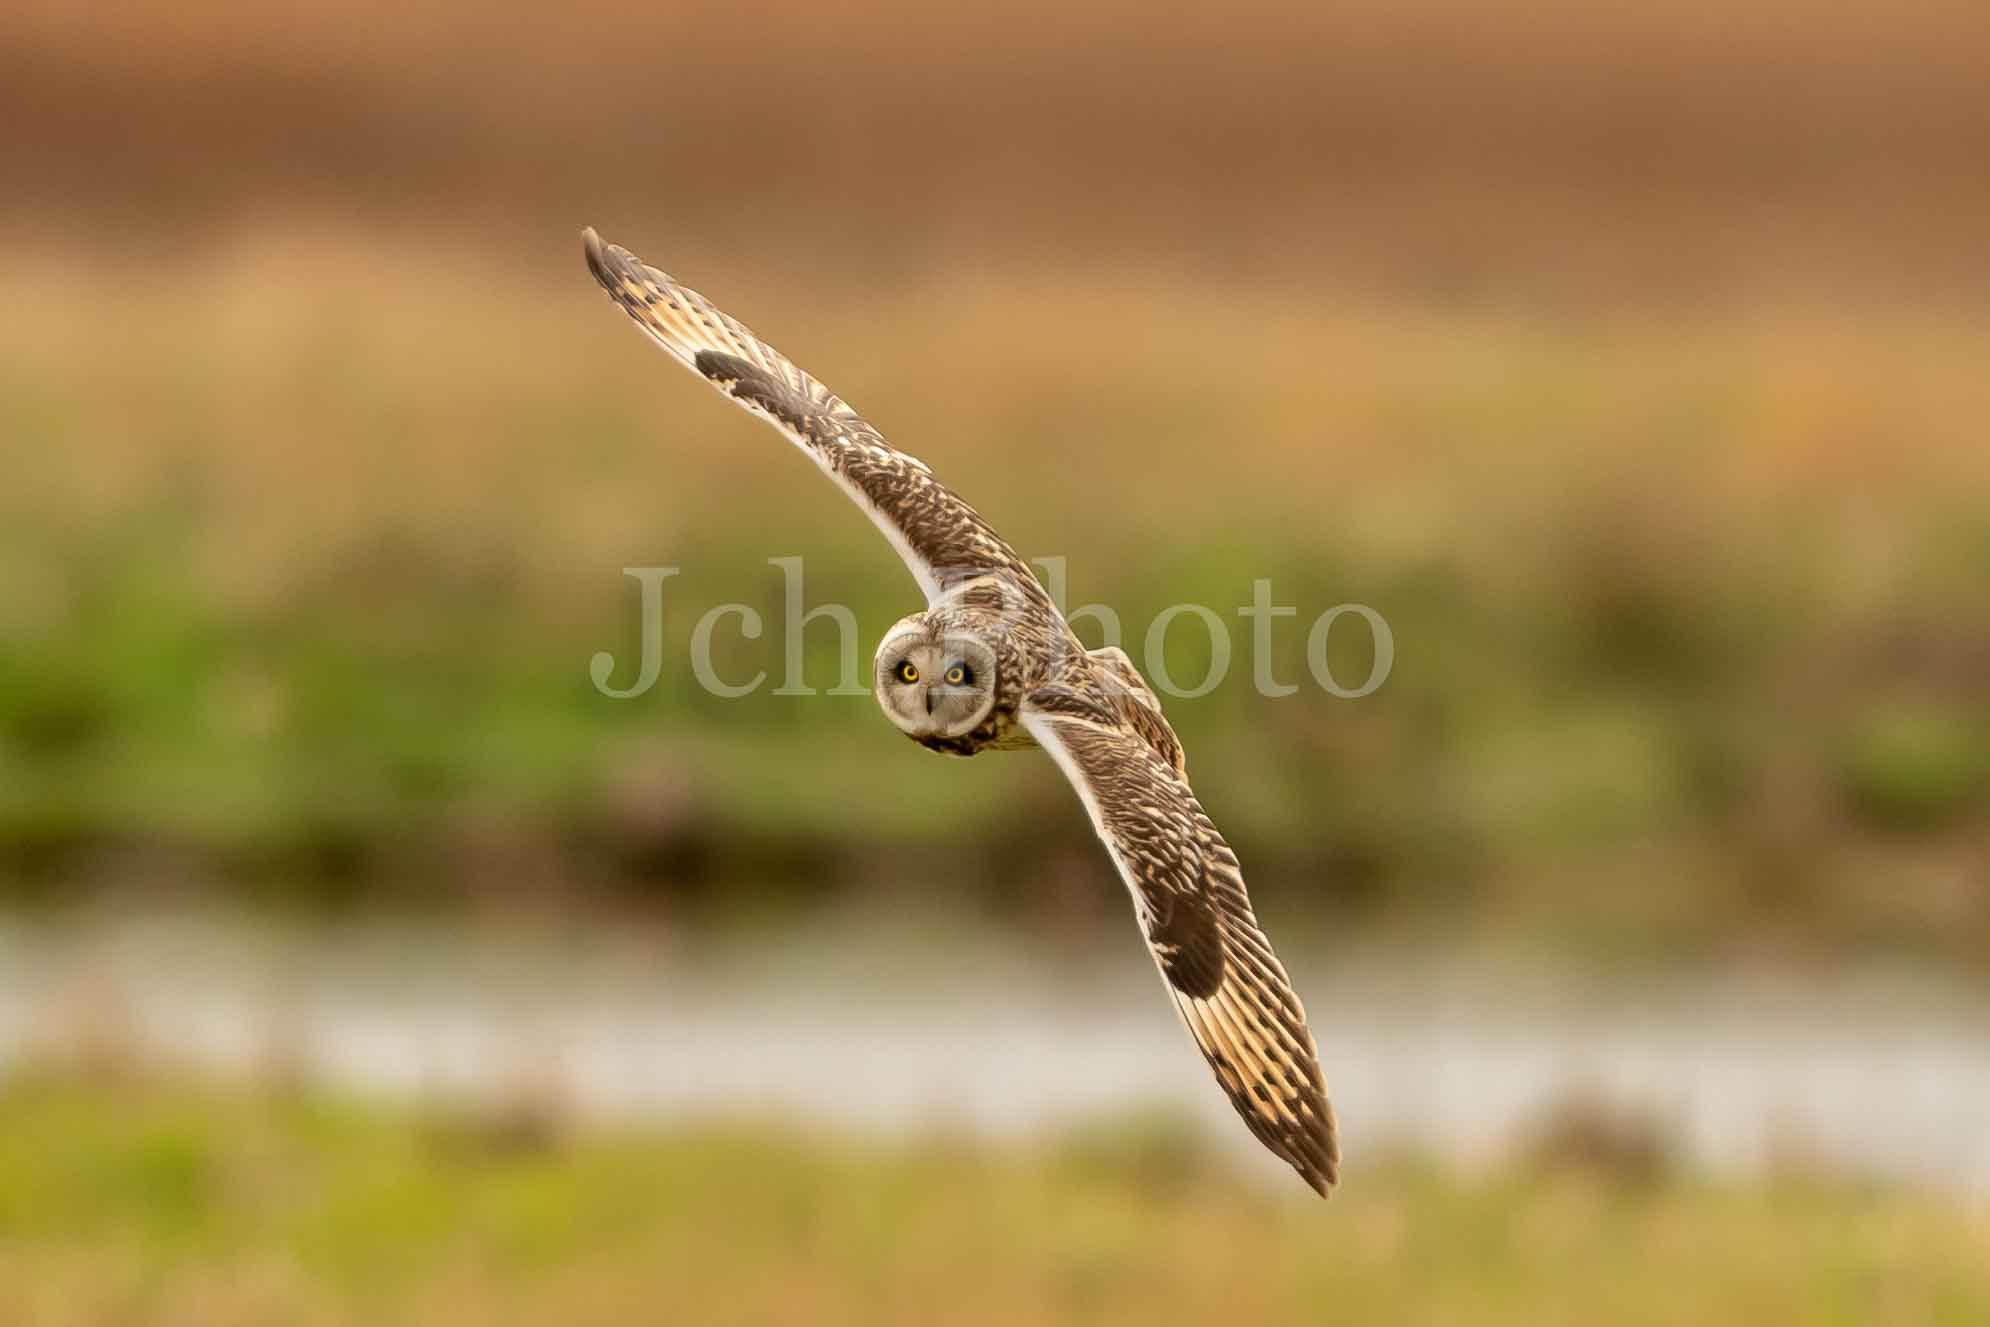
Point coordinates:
[[1188, 895], [941, 539]]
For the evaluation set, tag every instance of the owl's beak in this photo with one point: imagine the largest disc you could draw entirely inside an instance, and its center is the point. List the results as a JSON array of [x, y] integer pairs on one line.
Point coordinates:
[[929, 701]]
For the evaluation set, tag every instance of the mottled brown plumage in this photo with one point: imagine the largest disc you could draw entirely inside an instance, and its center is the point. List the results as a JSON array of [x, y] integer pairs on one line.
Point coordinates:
[[1091, 711]]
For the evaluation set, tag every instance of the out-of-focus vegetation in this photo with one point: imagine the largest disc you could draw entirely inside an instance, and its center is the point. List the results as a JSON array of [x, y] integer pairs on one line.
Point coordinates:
[[1628, 361], [162, 1204], [311, 551]]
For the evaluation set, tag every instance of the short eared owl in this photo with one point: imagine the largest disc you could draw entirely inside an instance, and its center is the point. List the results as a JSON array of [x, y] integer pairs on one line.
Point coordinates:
[[990, 664]]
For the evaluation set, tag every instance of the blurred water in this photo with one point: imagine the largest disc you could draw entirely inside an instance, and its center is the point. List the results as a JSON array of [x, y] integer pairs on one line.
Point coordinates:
[[852, 1030]]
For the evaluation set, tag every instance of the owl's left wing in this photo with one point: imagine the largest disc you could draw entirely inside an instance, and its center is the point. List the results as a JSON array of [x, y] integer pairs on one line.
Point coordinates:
[[1188, 894], [941, 539]]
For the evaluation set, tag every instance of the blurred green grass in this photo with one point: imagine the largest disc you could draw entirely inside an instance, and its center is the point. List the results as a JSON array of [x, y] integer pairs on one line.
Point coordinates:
[[142, 1202], [305, 554]]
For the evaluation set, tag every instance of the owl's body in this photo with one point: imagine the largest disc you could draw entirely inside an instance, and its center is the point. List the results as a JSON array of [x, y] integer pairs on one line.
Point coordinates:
[[991, 665]]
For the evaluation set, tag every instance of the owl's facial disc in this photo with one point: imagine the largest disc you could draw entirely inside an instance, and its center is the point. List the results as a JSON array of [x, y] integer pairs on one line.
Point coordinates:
[[932, 683]]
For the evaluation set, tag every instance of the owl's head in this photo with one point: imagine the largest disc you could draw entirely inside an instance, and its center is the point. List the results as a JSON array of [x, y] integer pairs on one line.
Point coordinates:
[[931, 682]]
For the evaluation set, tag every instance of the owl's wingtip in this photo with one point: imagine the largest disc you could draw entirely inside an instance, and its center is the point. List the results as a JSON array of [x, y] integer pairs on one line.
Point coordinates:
[[597, 254]]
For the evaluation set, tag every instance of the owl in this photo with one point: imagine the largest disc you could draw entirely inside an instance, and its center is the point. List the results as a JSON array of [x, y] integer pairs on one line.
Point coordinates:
[[989, 664]]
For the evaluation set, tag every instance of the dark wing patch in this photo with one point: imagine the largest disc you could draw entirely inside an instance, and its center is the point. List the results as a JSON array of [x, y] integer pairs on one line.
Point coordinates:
[[1230, 989], [752, 385], [1187, 941]]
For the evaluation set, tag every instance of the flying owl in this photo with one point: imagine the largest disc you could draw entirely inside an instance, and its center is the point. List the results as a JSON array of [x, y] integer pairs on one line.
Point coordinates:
[[990, 665]]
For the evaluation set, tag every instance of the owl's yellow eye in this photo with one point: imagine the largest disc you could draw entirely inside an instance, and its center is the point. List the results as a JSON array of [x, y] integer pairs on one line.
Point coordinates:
[[957, 675], [906, 672]]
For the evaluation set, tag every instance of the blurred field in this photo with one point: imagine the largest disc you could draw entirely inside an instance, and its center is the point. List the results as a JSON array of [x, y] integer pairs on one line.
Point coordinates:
[[311, 547], [1630, 362], [1437, 150], [191, 1205]]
